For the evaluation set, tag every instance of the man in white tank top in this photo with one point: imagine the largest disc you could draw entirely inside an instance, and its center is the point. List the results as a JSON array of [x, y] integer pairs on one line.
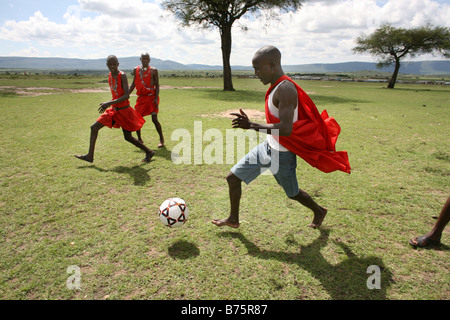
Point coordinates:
[[283, 104], [272, 139]]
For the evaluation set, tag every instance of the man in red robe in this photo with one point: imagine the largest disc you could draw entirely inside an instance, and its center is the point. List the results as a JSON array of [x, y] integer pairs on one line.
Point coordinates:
[[294, 127], [146, 82], [120, 115]]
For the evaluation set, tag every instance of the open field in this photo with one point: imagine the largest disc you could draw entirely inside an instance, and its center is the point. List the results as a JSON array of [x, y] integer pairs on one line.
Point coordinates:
[[57, 211]]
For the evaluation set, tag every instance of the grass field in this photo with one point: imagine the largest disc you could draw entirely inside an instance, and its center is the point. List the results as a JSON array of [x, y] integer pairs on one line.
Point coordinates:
[[57, 211]]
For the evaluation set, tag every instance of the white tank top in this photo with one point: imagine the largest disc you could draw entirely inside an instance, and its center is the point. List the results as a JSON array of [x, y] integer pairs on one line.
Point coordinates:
[[271, 139]]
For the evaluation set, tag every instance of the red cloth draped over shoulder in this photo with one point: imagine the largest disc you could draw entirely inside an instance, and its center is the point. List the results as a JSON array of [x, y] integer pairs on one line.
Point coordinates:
[[115, 84], [120, 115], [143, 81], [313, 136], [145, 103]]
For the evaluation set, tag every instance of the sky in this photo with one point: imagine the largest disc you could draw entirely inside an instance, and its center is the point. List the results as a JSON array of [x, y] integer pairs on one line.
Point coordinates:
[[322, 31]]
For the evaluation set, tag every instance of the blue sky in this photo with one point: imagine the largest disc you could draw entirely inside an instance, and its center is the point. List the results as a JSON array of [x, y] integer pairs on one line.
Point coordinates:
[[23, 9], [321, 32]]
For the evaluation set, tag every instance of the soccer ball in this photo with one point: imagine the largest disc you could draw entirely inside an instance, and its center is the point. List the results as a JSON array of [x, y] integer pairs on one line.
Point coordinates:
[[173, 212]]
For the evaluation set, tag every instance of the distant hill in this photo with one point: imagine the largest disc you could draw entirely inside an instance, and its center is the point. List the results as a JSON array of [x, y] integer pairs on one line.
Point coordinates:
[[420, 67], [80, 64]]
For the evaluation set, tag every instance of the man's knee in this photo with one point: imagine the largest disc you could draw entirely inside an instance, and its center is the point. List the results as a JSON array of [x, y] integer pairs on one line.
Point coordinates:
[[129, 139], [232, 179], [301, 195], [294, 197], [96, 126], [127, 135]]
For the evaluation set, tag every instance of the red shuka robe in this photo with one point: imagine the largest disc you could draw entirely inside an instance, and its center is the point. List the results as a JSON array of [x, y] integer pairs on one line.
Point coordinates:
[[145, 103], [116, 90], [120, 115], [313, 136]]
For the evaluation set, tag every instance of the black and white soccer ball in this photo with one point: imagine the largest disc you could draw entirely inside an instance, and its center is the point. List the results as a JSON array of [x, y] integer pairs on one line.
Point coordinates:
[[173, 212]]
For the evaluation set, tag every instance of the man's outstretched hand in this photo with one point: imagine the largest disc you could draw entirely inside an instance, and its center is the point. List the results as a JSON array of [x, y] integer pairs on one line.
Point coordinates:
[[241, 120]]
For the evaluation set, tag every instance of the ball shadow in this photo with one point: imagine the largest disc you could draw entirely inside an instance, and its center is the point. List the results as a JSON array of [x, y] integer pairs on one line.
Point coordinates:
[[183, 250]]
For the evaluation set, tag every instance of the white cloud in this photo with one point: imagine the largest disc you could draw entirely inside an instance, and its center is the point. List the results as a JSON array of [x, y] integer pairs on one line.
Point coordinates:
[[118, 8], [321, 31], [326, 31], [28, 52]]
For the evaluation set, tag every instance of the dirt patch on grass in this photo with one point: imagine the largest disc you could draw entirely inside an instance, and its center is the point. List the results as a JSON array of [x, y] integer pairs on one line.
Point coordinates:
[[251, 113], [90, 90], [41, 91]]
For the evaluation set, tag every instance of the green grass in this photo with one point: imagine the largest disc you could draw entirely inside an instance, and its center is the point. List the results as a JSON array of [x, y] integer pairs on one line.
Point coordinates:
[[57, 211]]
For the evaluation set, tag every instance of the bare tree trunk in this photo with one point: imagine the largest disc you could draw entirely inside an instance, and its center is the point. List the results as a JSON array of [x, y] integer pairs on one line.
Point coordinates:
[[394, 75], [225, 35]]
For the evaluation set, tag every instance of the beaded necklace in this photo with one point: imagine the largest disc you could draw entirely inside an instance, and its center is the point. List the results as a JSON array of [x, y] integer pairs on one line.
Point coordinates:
[[142, 71], [115, 82]]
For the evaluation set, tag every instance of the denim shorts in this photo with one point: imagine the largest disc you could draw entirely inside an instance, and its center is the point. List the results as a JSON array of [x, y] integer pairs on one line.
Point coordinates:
[[282, 165]]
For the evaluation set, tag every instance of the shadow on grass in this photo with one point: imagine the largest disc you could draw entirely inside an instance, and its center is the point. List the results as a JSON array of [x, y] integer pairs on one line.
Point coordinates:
[[164, 153], [434, 247], [418, 89], [252, 96], [183, 250], [161, 153], [344, 281], [138, 173], [322, 100]]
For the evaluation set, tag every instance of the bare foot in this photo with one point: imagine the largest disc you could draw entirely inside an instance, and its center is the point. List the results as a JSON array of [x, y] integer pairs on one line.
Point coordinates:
[[225, 222], [141, 141], [161, 144], [148, 157], [318, 218], [85, 158], [423, 241]]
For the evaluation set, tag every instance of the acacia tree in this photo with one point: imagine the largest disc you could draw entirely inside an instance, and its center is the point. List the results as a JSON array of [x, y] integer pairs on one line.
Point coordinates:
[[392, 44], [222, 14]]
